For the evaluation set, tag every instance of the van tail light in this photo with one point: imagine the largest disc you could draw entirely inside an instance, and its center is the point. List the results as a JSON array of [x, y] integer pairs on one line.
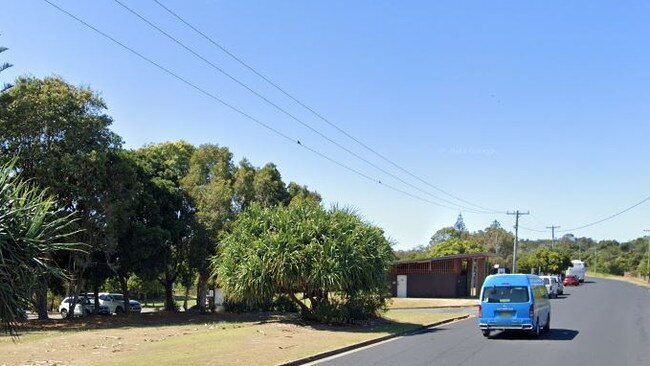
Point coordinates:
[[531, 313], [480, 311]]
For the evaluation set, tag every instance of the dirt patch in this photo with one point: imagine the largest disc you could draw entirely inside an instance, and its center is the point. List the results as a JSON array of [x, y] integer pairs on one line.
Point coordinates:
[[171, 339]]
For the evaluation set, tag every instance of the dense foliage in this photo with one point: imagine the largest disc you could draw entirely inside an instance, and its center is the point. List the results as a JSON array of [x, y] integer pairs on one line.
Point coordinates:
[[605, 256], [544, 260], [32, 230], [336, 262], [154, 214]]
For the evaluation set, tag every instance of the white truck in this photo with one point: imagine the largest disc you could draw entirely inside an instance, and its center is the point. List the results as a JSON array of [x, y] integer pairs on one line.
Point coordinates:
[[577, 269]]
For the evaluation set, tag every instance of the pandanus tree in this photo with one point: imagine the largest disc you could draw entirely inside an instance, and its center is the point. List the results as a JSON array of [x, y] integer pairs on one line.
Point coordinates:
[[32, 230], [331, 263]]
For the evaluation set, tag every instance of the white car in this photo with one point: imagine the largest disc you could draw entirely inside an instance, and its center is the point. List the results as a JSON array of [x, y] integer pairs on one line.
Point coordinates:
[[560, 285], [115, 303], [552, 285], [84, 306]]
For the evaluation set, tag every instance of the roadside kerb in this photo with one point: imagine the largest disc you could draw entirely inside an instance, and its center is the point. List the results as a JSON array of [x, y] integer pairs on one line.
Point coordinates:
[[351, 347], [433, 307]]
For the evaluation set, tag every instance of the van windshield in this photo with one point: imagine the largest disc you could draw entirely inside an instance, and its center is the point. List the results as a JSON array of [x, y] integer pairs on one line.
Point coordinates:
[[505, 294]]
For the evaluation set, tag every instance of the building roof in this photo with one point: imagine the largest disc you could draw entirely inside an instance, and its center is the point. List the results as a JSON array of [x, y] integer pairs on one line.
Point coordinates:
[[436, 259]]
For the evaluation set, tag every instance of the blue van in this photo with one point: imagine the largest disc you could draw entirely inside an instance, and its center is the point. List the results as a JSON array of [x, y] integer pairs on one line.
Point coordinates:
[[514, 301]]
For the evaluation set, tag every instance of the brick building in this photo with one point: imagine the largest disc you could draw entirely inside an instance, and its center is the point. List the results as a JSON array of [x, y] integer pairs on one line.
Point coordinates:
[[452, 276]]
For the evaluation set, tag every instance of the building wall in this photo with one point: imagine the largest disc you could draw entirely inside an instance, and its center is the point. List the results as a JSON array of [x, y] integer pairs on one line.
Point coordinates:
[[450, 277], [429, 284]]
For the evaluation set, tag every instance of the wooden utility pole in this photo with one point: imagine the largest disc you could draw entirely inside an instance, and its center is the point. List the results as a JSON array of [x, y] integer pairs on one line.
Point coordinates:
[[514, 250], [552, 227], [648, 265]]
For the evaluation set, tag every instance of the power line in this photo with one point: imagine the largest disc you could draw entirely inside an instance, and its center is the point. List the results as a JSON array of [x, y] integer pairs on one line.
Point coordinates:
[[533, 230], [235, 109], [608, 217], [282, 110], [314, 112]]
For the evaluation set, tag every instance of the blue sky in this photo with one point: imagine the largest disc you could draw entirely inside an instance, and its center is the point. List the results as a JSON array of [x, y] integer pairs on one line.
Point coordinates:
[[539, 106]]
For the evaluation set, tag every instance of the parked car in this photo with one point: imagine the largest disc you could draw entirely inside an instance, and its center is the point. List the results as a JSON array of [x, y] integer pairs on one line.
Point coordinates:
[[514, 301], [135, 306], [552, 286], [571, 281], [84, 306], [560, 286], [115, 303]]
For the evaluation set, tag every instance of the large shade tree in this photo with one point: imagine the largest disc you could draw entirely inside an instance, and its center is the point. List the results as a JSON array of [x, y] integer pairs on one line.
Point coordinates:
[[134, 223], [59, 135], [164, 165], [209, 185]]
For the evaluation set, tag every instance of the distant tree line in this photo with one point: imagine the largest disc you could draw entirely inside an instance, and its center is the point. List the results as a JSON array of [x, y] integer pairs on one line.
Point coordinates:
[[606, 256]]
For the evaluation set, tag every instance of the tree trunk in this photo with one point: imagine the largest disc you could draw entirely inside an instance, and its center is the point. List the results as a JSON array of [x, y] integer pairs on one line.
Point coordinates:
[[96, 295], [306, 312], [125, 293], [41, 298], [187, 294], [73, 304], [202, 291], [169, 292]]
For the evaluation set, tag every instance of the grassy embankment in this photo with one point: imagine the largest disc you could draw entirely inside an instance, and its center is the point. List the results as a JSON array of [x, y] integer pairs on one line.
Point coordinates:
[[634, 280]]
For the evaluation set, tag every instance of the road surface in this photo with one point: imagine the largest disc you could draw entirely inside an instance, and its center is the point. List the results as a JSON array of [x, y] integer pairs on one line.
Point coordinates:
[[601, 322]]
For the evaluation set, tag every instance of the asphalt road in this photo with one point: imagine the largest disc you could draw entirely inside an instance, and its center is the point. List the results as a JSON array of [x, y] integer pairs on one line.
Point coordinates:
[[601, 322]]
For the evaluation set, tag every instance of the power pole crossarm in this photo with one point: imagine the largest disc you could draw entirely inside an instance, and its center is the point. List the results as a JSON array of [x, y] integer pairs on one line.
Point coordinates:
[[514, 250], [552, 227]]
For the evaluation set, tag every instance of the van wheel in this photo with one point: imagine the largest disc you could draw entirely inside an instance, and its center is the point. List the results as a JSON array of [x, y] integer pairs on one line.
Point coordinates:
[[537, 331], [119, 310], [547, 327], [486, 333], [64, 313]]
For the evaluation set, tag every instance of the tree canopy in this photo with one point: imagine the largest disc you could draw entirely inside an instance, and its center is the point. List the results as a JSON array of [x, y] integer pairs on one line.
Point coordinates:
[[544, 260], [455, 246], [331, 257]]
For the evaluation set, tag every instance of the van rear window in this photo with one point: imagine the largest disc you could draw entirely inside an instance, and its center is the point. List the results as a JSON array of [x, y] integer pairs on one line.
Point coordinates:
[[506, 294]]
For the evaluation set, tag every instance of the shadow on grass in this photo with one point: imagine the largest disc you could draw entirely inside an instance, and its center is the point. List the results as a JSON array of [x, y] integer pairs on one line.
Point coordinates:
[[155, 319], [163, 319], [552, 335], [379, 325]]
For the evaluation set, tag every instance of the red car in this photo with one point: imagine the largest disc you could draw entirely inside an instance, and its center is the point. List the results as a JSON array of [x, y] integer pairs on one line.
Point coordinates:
[[571, 281]]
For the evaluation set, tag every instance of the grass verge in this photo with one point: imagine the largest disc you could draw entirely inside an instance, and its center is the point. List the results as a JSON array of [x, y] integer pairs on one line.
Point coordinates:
[[636, 281], [223, 339]]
